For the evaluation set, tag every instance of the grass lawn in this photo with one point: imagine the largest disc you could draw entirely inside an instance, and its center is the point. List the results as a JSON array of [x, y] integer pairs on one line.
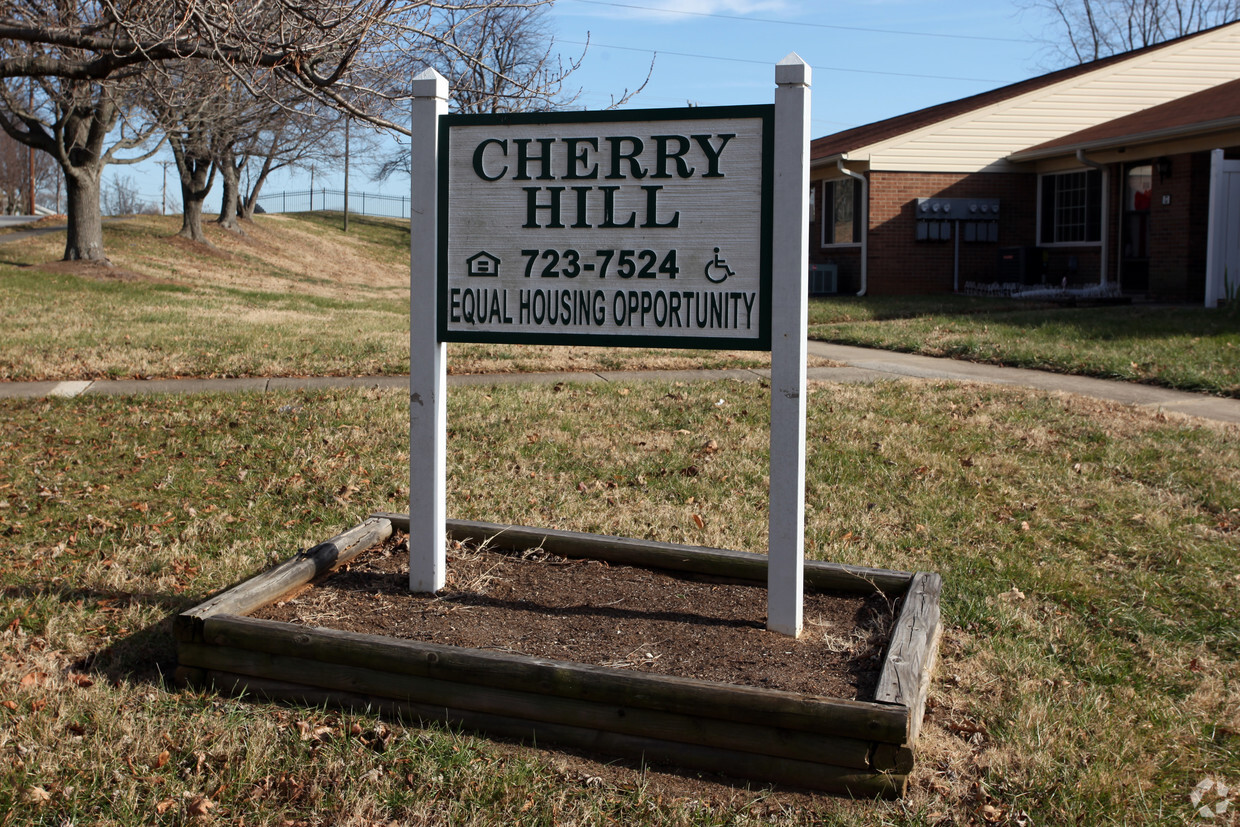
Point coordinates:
[[1089, 671], [1189, 348], [295, 296]]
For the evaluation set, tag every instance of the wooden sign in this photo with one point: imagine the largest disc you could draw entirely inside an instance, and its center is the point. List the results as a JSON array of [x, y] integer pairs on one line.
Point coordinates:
[[638, 228], [663, 228]]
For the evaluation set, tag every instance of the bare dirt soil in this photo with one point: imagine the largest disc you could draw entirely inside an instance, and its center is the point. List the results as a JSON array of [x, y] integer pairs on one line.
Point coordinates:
[[97, 271], [591, 612], [587, 611]]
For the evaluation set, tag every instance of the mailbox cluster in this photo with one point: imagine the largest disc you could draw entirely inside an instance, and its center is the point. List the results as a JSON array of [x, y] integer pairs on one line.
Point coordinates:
[[976, 219]]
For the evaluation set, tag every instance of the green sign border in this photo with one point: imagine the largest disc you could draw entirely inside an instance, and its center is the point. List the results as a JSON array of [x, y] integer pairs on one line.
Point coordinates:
[[762, 112]]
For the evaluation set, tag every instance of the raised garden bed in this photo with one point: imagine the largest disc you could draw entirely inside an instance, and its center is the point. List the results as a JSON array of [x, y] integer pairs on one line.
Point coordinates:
[[805, 739]]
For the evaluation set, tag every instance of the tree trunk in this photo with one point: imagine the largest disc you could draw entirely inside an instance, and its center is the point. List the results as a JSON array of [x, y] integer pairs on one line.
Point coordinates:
[[230, 204], [84, 238], [195, 184], [251, 200], [191, 217]]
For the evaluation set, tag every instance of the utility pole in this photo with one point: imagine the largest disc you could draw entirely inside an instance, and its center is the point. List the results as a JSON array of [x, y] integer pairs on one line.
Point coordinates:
[[346, 174], [163, 200], [30, 157]]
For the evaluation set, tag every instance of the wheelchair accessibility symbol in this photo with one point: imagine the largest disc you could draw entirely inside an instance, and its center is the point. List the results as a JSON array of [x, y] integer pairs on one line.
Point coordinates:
[[717, 269]]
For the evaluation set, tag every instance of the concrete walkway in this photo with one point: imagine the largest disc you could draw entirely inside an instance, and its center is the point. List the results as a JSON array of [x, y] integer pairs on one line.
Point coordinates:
[[860, 365]]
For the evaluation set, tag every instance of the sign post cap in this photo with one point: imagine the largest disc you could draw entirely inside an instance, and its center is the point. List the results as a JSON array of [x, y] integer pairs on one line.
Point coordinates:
[[792, 70], [429, 84]]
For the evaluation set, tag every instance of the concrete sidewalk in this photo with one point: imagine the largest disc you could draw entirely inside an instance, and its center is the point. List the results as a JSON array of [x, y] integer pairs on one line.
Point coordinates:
[[859, 365]]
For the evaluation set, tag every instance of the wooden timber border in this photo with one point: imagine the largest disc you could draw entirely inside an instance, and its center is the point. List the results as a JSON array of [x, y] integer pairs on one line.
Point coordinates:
[[857, 748]]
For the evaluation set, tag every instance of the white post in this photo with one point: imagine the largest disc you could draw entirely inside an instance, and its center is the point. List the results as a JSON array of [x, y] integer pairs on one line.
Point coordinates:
[[789, 329], [428, 411], [1216, 230]]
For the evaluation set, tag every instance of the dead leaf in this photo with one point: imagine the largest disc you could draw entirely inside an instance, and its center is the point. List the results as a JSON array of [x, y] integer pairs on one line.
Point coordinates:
[[698, 521], [33, 679], [37, 796], [165, 805], [162, 759], [80, 679], [9, 705], [199, 806]]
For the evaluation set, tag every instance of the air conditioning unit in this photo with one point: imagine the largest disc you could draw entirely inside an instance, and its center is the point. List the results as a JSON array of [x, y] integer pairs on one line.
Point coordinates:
[[823, 279]]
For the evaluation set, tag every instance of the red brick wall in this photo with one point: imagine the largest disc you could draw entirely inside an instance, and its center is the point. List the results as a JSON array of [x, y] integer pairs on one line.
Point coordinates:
[[898, 263], [1178, 229], [901, 264]]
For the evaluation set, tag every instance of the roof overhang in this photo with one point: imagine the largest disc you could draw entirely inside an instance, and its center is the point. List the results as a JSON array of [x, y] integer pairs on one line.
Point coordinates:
[[832, 163], [1195, 137]]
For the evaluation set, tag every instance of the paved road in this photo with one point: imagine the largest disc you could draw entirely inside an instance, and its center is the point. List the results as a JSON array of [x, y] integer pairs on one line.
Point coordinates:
[[859, 365], [22, 220]]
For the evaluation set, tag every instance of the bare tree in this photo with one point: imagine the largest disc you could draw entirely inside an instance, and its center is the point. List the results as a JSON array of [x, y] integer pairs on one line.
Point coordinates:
[[81, 125], [293, 138], [500, 58], [15, 166], [274, 131], [1086, 30], [121, 197], [191, 103], [352, 55]]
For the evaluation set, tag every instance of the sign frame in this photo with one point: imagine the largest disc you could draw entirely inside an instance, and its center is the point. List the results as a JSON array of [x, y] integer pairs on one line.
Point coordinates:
[[558, 120]]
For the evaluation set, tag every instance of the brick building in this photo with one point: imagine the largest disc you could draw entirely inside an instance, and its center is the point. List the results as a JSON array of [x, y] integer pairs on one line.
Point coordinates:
[[1122, 173]]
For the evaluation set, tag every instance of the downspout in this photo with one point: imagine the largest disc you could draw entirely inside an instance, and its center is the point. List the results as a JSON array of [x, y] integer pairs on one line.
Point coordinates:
[[1106, 215], [865, 220]]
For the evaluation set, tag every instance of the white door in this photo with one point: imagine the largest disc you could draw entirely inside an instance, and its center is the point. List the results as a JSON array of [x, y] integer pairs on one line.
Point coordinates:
[[1223, 254]]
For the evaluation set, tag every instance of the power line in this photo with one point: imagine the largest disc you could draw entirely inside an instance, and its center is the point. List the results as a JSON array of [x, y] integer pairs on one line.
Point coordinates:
[[801, 24], [768, 63]]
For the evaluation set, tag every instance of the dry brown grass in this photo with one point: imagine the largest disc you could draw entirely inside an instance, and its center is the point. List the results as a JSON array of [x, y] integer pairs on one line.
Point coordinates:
[[1087, 674], [290, 297]]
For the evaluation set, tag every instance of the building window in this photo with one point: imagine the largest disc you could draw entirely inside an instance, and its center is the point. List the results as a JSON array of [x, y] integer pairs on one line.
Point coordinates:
[[1071, 210], [841, 211]]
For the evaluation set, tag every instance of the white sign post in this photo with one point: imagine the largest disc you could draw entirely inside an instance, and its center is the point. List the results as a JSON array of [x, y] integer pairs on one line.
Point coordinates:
[[637, 228], [428, 412], [790, 322]]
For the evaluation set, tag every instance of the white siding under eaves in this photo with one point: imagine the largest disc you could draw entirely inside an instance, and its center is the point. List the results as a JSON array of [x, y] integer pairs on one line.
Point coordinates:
[[983, 138]]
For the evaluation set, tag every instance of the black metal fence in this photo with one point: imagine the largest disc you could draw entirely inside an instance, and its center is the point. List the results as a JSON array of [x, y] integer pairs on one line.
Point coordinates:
[[360, 203]]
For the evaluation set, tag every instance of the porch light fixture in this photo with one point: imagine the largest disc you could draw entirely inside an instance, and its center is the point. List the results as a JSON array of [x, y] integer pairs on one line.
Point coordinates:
[[1164, 168]]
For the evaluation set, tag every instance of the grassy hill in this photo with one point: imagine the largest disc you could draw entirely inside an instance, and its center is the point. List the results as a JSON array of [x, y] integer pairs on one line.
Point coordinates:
[[293, 296]]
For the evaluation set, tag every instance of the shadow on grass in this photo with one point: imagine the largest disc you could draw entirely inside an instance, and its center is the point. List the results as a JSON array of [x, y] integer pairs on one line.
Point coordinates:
[[145, 656]]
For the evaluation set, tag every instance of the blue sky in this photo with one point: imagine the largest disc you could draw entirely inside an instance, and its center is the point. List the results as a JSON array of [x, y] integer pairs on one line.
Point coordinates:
[[871, 59]]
